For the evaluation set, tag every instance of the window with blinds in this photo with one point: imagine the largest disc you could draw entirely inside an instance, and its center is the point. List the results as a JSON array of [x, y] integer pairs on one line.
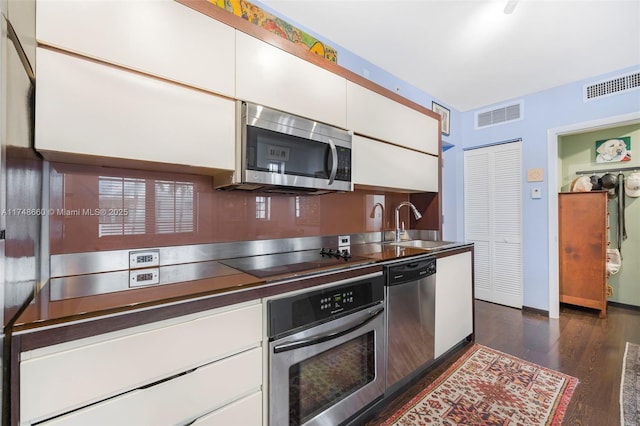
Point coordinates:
[[263, 208], [125, 195], [174, 207], [172, 202]]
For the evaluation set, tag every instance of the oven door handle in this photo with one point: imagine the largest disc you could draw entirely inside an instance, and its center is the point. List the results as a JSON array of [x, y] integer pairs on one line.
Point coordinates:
[[297, 344]]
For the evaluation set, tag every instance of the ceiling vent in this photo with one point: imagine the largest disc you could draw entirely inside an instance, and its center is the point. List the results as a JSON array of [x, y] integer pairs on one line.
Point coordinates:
[[500, 115], [613, 86]]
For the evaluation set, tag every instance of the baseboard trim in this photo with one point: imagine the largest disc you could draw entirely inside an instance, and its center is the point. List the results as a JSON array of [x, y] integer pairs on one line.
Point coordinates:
[[623, 305], [535, 311]]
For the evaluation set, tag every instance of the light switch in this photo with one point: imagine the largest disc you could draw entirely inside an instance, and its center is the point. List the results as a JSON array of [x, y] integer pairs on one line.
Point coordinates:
[[536, 193]]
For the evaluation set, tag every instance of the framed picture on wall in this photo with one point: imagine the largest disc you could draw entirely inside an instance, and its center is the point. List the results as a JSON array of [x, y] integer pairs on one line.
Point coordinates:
[[445, 114], [613, 150]]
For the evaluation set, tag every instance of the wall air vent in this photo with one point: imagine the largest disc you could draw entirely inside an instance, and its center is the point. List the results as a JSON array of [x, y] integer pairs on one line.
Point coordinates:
[[613, 86], [499, 115]]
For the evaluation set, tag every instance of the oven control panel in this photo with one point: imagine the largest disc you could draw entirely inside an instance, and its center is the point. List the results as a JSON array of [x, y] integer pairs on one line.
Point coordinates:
[[338, 302], [308, 308]]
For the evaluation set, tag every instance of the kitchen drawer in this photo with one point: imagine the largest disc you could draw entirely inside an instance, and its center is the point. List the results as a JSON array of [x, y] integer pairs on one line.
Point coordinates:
[[160, 37], [377, 116], [83, 107], [269, 76], [184, 398], [382, 165], [56, 382], [244, 412]]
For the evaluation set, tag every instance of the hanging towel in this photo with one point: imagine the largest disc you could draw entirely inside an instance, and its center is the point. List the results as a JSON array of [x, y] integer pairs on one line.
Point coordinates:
[[613, 261], [622, 230]]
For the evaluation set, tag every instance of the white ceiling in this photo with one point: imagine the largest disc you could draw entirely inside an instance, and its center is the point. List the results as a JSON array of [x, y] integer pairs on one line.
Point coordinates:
[[468, 53]]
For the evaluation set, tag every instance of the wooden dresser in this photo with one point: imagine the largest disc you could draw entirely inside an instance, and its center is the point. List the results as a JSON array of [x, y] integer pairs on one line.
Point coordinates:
[[582, 242]]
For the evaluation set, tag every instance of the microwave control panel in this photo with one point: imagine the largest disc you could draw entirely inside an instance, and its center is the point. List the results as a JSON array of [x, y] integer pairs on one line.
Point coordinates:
[[344, 164]]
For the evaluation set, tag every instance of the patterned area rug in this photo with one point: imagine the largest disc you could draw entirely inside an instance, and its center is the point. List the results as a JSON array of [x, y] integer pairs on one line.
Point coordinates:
[[630, 386], [486, 388]]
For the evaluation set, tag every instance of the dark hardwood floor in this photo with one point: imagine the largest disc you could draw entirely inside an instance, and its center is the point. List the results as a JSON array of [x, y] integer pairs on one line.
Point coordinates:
[[578, 343]]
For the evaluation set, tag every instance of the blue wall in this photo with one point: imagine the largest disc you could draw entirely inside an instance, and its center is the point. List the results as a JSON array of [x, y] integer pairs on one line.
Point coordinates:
[[556, 107], [549, 109]]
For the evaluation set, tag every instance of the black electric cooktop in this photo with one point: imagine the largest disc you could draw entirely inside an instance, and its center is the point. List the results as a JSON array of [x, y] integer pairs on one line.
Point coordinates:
[[270, 265]]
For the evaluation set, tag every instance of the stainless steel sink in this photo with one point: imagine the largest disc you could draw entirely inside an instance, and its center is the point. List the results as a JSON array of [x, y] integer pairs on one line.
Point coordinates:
[[424, 244]]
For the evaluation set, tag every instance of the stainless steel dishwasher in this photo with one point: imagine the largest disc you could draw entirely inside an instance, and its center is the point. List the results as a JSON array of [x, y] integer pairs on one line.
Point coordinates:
[[410, 297]]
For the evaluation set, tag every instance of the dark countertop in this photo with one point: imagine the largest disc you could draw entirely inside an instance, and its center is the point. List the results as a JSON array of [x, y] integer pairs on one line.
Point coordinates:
[[218, 285]]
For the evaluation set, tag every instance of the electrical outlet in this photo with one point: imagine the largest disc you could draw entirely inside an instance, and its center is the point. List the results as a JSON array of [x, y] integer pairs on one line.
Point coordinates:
[[344, 240]]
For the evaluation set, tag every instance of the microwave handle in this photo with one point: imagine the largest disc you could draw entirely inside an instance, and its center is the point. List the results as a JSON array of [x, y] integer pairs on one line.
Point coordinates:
[[334, 164]]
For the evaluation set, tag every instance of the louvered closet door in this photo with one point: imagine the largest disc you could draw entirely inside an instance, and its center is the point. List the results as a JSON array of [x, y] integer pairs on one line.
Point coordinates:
[[493, 221]]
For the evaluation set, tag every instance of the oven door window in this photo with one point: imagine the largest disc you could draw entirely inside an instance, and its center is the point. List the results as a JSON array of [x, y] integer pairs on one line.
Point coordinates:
[[324, 379]]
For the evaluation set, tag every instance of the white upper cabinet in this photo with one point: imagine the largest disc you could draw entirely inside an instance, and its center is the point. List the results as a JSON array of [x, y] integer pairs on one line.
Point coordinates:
[[160, 37], [16, 88], [377, 116], [83, 107], [269, 76], [383, 165], [22, 15]]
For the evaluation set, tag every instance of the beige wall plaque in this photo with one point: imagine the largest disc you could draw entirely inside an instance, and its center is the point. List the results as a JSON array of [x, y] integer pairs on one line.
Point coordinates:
[[535, 175]]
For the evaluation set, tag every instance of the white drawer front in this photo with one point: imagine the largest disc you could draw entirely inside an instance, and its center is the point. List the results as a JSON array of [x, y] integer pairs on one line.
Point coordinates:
[[183, 399], [66, 380], [244, 412], [159, 37], [83, 107]]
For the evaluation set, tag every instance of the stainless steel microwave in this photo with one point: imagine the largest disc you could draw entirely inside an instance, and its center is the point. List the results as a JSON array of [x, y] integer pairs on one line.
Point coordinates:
[[282, 152]]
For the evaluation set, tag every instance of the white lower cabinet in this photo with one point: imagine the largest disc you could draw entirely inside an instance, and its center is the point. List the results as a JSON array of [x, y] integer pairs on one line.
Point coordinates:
[[244, 412], [183, 399], [454, 301], [91, 109], [382, 165], [161, 373]]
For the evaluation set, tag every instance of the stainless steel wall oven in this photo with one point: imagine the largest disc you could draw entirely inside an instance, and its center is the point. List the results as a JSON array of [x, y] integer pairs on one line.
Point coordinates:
[[326, 352]]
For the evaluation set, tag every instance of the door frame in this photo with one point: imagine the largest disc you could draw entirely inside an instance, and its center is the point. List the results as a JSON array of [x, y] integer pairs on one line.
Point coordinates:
[[553, 135]]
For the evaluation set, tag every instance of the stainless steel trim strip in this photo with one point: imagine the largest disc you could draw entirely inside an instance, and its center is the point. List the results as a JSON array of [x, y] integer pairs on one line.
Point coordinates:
[[63, 265], [110, 282], [255, 177], [45, 265]]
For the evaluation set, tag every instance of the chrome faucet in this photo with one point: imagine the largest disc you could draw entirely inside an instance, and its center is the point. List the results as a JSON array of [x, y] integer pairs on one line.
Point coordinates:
[[416, 213], [373, 216]]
